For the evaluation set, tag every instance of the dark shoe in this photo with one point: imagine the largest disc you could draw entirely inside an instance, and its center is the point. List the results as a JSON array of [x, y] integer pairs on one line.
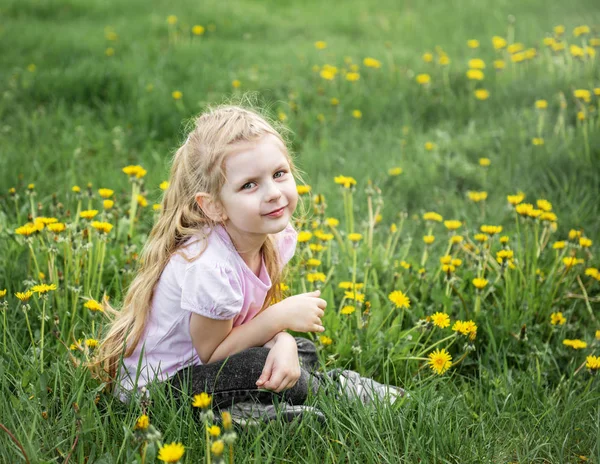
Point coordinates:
[[249, 414]]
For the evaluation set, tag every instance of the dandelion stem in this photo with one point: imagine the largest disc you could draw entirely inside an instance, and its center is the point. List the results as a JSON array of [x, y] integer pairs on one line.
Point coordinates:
[[42, 334]]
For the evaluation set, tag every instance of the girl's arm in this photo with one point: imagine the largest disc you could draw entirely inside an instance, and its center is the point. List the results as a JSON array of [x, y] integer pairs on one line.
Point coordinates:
[[215, 340]]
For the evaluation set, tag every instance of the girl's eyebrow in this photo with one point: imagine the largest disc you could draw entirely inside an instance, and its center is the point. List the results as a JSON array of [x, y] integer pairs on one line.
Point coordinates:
[[253, 177]]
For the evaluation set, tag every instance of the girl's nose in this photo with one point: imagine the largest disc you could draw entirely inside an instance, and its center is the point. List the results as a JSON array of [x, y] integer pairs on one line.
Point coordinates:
[[273, 192]]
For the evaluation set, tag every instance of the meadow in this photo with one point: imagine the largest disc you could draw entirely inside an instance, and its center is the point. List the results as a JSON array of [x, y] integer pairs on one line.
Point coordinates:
[[450, 158]]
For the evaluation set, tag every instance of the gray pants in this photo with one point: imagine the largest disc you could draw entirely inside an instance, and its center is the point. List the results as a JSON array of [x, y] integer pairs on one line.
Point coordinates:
[[233, 380]]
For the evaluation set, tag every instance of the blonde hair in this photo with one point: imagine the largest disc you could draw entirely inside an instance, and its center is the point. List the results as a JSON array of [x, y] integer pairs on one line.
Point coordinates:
[[197, 166]]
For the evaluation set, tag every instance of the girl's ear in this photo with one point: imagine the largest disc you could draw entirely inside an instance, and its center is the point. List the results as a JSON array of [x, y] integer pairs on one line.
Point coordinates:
[[211, 207]]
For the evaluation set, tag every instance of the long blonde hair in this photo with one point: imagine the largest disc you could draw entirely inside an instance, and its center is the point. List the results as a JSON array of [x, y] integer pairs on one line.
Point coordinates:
[[197, 166]]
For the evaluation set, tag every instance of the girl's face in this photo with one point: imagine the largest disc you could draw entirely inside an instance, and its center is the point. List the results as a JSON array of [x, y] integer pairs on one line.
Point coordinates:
[[259, 195]]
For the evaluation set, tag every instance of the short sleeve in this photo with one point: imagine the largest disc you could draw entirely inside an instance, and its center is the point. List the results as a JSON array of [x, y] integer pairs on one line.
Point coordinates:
[[212, 291], [286, 241]]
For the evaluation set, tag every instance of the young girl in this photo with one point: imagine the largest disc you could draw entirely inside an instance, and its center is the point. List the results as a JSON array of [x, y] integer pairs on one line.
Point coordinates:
[[198, 313]]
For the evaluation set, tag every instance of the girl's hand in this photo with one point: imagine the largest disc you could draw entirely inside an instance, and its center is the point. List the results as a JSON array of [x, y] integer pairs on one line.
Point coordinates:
[[303, 312], [282, 367]]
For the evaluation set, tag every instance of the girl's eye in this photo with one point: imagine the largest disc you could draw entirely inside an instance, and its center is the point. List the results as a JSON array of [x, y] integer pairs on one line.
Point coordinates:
[[247, 185], [279, 174]]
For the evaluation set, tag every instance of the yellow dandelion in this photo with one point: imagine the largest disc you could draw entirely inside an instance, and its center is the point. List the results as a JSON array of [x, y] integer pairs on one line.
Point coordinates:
[[475, 74], [316, 277], [354, 237], [106, 193], [43, 288], [399, 299], [428, 239], [320, 45], [479, 282], [440, 361], [89, 213], [198, 29], [395, 171], [441, 320], [347, 310], [423, 79], [203, 400], [452, 224], [557, 318], [432, 216], [485, 162], [325, 340], [177, 94], [171, 452], [592, 362], [214, 430], [482, 94], [217, 447], [142, 423], [236, 84]]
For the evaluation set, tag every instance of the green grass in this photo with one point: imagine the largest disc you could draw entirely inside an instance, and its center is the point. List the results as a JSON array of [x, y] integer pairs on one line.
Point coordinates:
[[81, 116]]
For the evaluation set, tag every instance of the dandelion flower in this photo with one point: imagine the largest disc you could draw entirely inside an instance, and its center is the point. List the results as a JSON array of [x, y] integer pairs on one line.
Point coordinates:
[[198, 29], [473, 43], [303, 189], [399, 299], [441, 320], [354, 237], [475, 74], [575, 344], [217, 447], [557, 318], [171, 452], [24, 296], [108, 204], [347, 310], [541, 104], [498, 42], [43, 288], [452, 224], [485, 162], [592, 362], [214, 430], [428, 239], [423, 79], [357, 114], [103, 227], [395, 171], [142, 423], [482, 94], [106, 193], [89, 213], [316, 277], [372, 63], [304, 236], [236, 84], [479, 282], [320, 45], [177, 94], [202, 400], [91, 343], [325, 340], [432, 216], [93, 305], [440, 361]]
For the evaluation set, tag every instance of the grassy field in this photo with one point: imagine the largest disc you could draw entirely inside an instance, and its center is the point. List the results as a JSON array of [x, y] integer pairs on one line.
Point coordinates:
[[396, 99]]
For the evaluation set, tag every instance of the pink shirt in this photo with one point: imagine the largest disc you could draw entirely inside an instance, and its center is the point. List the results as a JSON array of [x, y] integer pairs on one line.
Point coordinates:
[[218, 284]]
